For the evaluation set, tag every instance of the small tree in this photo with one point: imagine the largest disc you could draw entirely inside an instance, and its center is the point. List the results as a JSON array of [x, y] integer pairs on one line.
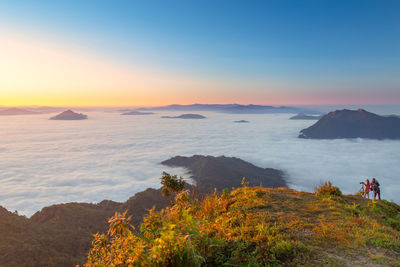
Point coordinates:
[[171, 184]]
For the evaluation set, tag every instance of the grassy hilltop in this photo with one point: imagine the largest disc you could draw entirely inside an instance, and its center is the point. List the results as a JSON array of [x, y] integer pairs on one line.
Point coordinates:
[[257, 226]]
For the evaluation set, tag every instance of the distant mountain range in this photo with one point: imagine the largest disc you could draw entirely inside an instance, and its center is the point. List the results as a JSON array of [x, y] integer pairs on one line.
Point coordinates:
[[16, 111], [136, 112], [303, 116], [28, 111], [233, 108], [185, 116], [61, 235], [353, 124]]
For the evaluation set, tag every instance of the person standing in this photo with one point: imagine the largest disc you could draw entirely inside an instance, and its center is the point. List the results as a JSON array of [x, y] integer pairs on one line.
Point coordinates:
[[367, 188], [375, 186]]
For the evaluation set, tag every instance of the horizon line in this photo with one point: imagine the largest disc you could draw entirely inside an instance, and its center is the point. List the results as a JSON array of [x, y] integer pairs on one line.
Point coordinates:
[[165, 105]]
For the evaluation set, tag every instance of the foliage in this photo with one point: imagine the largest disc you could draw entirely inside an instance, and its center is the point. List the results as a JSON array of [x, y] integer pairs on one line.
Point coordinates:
[[171, 184], [254, 226], [159, 243], [327, 189]]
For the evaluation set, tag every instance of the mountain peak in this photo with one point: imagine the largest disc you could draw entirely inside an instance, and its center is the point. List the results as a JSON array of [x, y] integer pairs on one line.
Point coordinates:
[[347, 123], [69, 115]]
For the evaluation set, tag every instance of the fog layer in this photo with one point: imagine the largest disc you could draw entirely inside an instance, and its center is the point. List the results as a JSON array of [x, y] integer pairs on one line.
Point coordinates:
[[109, 156]]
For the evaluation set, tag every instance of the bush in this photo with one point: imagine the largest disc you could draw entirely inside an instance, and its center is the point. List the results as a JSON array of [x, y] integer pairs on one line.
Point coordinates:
[[327, 189], [166, 238], [171, 184], [196, 233]]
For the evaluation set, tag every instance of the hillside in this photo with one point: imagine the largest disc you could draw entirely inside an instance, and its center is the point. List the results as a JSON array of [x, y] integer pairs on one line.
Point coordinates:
[[225, 172], [257, 226], [56, 236], [140, 204], [353, 124], [60, 235]]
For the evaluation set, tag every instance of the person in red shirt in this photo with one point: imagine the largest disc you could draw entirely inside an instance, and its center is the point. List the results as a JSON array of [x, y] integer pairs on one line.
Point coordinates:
[[367, 188]]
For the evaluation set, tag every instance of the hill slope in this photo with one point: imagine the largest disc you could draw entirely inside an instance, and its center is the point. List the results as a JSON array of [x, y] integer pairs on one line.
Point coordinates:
[[56, 236], [60, 235], [257, 226]]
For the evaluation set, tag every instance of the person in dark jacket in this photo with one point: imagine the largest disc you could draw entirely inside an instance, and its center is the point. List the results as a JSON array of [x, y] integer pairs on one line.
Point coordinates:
[[375, 188]]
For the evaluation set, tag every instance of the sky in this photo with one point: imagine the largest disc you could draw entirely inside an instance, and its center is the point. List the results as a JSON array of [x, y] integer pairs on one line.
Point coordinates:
[[146, 53]]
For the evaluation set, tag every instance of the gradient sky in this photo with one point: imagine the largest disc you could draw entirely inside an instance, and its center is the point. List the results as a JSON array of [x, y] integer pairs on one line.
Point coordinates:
[[139, 53]]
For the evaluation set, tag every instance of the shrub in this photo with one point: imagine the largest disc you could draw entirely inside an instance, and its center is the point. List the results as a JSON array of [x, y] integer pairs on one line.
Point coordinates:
[[196, 233], [327, 189], [162, 241], [171, 184]]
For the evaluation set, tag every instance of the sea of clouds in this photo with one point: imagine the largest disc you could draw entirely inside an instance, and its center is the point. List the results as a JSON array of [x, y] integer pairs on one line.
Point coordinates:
[[110, 156]]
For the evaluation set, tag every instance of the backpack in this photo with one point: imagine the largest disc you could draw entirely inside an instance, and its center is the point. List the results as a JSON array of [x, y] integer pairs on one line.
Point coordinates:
[[375, 186]]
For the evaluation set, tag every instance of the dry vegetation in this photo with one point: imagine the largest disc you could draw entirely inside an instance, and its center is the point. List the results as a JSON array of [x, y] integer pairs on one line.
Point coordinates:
[[257, 226]]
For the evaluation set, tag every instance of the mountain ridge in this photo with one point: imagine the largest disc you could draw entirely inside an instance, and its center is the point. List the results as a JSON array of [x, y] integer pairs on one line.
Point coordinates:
[[232, 108], [347, 123]]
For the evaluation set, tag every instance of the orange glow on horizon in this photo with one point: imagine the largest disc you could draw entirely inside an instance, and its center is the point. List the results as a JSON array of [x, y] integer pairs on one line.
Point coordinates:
[[42, 73], [36, 71]]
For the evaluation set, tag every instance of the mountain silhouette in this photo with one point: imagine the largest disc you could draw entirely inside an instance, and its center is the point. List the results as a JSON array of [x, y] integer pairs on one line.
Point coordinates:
[[185, 116], [353, 124], [16, 111], [69, 115]]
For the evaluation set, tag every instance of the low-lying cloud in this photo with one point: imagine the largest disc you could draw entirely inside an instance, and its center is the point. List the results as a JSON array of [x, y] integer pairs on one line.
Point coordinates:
[[112, 157]]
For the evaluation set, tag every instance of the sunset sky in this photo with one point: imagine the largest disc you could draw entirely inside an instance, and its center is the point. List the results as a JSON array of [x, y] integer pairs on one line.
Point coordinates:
[[141, 53]]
